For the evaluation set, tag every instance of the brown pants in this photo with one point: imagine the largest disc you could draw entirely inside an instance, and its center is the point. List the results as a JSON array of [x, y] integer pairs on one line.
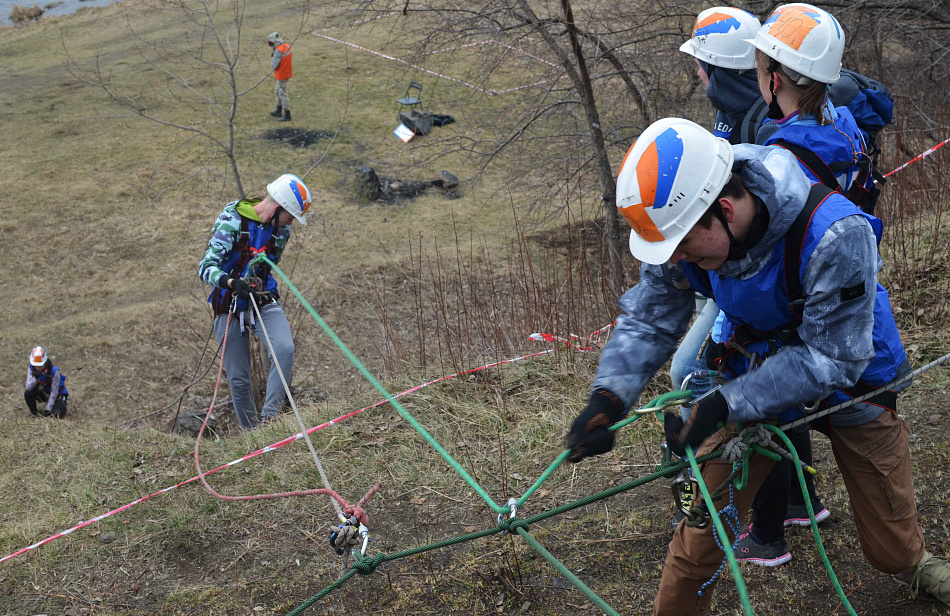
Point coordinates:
[[874, 461]]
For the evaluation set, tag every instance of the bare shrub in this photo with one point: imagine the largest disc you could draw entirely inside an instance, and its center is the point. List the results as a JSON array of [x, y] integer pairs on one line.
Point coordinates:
[[22, 14]]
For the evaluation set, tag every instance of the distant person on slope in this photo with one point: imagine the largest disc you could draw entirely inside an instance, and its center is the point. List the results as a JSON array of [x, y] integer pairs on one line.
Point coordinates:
[[244, 229], [45, 383], [280, 63]]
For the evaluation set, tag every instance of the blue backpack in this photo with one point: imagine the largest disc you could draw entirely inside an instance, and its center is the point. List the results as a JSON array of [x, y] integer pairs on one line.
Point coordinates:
[[868, 100]]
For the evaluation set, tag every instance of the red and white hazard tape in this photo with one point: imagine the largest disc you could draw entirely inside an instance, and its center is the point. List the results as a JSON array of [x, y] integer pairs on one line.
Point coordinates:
[[358, 23], [425, 70], [290, 439], [491, 42], [920, 156], [572, 338]]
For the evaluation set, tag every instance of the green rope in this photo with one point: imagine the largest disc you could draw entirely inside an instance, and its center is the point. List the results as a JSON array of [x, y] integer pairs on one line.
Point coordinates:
[[660, 402], [379, 387], [364, 565], [811, 515], [723, 537], [544, 476], [573, 579], [323, 593], [661, 472]]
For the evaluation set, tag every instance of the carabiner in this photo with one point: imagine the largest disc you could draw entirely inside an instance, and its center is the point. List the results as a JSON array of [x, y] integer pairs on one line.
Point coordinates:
[[696, 516]]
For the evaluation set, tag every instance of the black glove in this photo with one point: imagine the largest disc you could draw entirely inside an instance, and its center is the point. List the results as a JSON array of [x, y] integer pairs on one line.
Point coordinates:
[[589, 435], [240, 288], [706, 416]]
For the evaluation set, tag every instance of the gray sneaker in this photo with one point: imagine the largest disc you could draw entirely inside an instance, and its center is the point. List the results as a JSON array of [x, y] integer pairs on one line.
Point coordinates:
[[931, 575], [767, 555], [797, 515]]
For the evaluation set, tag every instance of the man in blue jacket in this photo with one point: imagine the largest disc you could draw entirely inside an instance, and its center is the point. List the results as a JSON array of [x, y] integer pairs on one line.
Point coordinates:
[[715, 218]]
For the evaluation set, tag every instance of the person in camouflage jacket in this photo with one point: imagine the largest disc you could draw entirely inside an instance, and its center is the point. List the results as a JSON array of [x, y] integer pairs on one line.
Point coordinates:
[[243, 230]]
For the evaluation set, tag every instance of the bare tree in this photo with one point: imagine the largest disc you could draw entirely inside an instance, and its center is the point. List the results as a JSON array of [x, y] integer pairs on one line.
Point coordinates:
[[204, 71], [598, 79]]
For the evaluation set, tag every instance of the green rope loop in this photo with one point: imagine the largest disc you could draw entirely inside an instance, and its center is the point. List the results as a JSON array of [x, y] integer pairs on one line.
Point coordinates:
[[366, 566], [511, 525], [811, 514]]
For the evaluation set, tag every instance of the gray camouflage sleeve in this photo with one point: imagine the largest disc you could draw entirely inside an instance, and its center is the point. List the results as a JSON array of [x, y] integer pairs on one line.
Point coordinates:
[[275, 59], [53, 390], [656, 314], [223, 235], [836, 329]]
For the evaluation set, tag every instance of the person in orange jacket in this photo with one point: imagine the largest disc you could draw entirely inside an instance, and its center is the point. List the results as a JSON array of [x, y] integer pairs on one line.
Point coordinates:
[[280, 63]]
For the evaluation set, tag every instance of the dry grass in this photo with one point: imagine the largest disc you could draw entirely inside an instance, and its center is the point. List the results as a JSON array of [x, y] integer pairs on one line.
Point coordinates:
[[22, 14]]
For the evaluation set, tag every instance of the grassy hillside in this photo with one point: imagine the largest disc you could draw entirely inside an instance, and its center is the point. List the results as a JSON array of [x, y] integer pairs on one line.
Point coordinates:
[[104, 242]]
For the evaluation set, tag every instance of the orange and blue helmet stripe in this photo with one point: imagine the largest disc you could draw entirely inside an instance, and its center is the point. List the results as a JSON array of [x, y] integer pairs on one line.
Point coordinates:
[[793, 23], [656, 173], [300, 192], [717, 23]]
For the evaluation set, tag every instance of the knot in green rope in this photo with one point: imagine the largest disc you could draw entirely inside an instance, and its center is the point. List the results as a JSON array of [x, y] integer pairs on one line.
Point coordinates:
[[366, 566], [514, 523]]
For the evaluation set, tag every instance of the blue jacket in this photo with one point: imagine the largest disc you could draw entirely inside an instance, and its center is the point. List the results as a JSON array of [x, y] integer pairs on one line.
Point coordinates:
[[837, 337], [235, 240], [51, 382], [837, 143], [770, 311]]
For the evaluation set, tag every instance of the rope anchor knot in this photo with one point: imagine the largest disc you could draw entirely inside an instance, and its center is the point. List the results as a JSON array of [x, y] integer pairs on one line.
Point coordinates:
[[364, 565], [511, 524]]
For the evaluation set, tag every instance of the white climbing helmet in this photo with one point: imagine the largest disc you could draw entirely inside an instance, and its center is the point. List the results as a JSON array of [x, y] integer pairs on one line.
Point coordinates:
[[292, 194], [38, 357], [668, 179], [721, 38], [804, 39], [274, 39]]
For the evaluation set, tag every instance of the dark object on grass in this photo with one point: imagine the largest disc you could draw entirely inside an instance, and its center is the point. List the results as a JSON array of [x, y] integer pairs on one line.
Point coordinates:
[[393, 190], [190, 424], [445, 180], [371, 187], [419, 122], [297, 137], [107, 538], [367, 183], [439, 119]]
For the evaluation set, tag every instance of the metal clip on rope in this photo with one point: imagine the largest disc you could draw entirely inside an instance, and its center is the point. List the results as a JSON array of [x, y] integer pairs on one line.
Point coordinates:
[[696, 516], [347, 534], [512, 505]]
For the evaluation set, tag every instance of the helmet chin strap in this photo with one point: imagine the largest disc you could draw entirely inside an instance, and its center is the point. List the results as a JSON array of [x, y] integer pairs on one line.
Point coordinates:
[[273, 217], [775, 110], [737, 249]]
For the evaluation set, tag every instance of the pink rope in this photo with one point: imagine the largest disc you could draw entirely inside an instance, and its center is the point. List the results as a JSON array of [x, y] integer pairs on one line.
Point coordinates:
[[275, 495]]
